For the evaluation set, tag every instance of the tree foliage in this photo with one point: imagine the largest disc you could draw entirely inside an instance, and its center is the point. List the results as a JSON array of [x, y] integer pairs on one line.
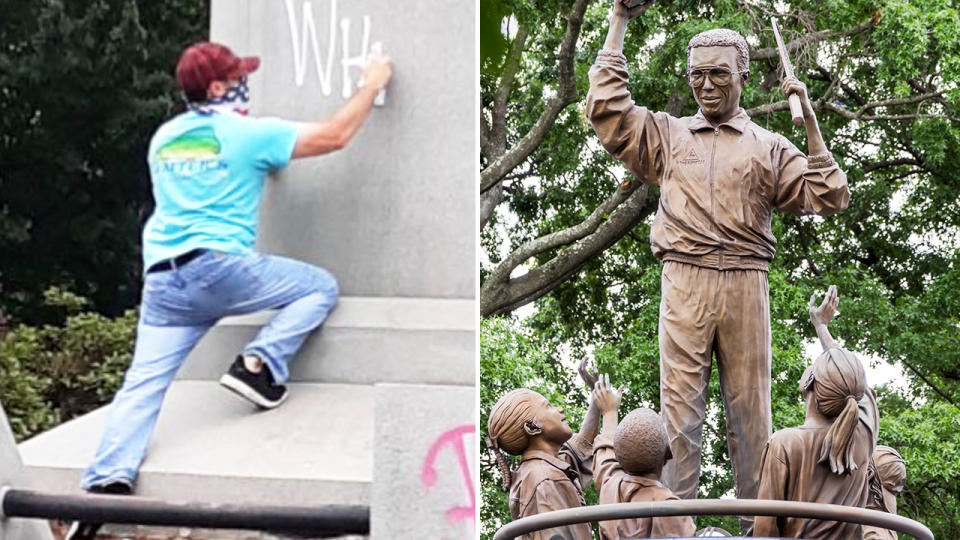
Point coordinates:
[[562, 230], [83, 84], [54, 373]]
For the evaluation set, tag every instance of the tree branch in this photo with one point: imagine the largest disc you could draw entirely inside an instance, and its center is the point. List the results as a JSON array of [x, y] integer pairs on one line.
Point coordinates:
[[614, 218], [498, 127], [868, 167], [566, 94], [805, 245], [489, 201], [809, 39], [859, 114], [930, 383], [486, 139]]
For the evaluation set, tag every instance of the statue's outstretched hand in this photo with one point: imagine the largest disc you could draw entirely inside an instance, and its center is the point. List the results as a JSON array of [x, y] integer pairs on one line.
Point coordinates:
[[631, 9], [588, 372], [606, 396], [827, 310]]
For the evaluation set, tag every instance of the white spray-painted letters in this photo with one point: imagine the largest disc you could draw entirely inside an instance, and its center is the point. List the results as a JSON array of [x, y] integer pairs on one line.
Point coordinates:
[[304, 40]]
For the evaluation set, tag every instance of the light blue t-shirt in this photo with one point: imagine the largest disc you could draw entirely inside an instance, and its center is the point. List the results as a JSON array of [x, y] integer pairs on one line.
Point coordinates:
[[207, 173]]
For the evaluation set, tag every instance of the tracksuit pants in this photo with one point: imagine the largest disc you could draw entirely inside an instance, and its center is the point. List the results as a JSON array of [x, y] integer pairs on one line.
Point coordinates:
[[705, 312]]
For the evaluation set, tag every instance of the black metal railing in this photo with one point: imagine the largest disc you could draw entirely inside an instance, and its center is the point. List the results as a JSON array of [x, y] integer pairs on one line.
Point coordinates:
[[714, 507], [327, 520]]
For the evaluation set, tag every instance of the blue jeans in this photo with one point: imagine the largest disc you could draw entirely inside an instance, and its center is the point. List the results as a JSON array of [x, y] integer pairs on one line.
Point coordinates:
[[177, 308]]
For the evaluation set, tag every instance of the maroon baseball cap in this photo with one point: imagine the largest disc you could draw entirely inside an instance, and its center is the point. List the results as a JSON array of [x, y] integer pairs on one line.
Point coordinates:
[[205, 62]]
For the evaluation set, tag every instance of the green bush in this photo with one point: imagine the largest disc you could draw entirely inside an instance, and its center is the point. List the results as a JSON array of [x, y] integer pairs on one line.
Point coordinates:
[[51, 374]]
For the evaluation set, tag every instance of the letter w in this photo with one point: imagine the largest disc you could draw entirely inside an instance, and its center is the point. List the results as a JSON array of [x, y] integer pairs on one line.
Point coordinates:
[[299, 43]]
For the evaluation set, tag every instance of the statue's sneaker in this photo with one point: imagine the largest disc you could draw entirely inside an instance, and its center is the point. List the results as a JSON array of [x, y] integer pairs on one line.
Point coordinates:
[[258, 388]]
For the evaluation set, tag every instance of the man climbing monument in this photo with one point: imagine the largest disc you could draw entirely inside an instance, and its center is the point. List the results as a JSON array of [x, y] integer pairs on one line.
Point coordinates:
[[207, 168]]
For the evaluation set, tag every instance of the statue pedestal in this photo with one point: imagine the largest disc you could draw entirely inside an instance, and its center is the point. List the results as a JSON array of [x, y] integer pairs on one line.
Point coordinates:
[[11, 475]]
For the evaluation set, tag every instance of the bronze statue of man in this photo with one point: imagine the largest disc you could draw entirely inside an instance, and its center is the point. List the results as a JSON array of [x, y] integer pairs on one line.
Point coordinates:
[[720, 177]]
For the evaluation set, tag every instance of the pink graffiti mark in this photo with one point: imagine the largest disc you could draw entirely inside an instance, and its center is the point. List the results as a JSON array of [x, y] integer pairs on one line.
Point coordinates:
[[428, 474]]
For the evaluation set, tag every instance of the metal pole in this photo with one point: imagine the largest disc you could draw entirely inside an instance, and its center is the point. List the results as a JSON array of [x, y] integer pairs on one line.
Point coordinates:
[[320, 520], [714, 507]]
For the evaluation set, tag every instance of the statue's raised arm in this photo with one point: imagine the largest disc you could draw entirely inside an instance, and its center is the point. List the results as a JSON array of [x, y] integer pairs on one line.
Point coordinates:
[[821, 316]]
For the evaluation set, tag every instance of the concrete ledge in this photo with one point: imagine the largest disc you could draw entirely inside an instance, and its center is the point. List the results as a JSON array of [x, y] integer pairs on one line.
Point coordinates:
[[365, 341], [388, 313], [213, 446]]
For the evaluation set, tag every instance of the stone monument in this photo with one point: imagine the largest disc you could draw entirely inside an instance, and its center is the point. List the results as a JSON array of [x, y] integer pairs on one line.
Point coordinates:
[[11, 476]]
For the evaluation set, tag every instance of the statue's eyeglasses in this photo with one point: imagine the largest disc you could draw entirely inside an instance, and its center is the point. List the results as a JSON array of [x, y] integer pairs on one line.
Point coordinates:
[[718, 76]]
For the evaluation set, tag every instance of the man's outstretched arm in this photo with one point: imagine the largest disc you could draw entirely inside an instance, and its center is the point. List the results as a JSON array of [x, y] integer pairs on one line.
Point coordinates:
[[334, 133]]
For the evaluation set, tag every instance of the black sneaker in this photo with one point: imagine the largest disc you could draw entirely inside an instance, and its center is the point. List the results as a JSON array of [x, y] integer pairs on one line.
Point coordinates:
[[116, 487], [80, 530], [259, 388]]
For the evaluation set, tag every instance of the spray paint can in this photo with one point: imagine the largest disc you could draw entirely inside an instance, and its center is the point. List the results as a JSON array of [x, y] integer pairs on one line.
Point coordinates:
[[376, 49]]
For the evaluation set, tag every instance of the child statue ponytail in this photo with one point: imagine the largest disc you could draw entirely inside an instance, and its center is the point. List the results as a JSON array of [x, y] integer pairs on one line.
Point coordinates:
[[493, 446], [838, 383]]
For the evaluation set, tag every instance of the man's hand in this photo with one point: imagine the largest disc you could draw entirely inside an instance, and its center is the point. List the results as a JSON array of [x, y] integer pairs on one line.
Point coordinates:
[[631, 9], [587, 372], [793, 85], [606, 396], [620, 14], [822, 315], [378, 71], [334, 133]]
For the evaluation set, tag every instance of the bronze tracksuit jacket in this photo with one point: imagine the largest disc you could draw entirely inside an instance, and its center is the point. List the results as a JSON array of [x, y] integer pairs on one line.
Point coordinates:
[[718, 186]]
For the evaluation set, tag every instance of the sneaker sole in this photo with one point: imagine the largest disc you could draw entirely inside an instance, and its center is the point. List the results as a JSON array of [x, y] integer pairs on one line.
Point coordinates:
[[244, 390], [82, 531]]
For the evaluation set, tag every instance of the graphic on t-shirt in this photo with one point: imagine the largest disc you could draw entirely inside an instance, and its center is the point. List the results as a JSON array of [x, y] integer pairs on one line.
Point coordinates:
[[198, 143]]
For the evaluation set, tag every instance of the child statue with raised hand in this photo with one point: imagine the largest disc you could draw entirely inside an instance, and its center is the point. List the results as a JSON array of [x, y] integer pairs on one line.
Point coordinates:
[[554, 461], [825, 460], [888, 476], [628, 459]]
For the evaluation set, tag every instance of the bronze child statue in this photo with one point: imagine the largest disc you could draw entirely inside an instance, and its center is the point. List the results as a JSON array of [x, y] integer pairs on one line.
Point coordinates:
[[825, 460], [889, 474], [628, 458], [555, 462]]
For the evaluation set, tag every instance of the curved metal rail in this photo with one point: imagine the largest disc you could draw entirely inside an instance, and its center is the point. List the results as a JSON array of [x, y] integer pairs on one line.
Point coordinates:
[[310, 521], [714, 507]]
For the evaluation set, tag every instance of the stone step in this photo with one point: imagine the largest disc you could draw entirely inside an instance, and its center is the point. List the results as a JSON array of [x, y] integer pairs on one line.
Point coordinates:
[[366, 340], [212, 446]]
